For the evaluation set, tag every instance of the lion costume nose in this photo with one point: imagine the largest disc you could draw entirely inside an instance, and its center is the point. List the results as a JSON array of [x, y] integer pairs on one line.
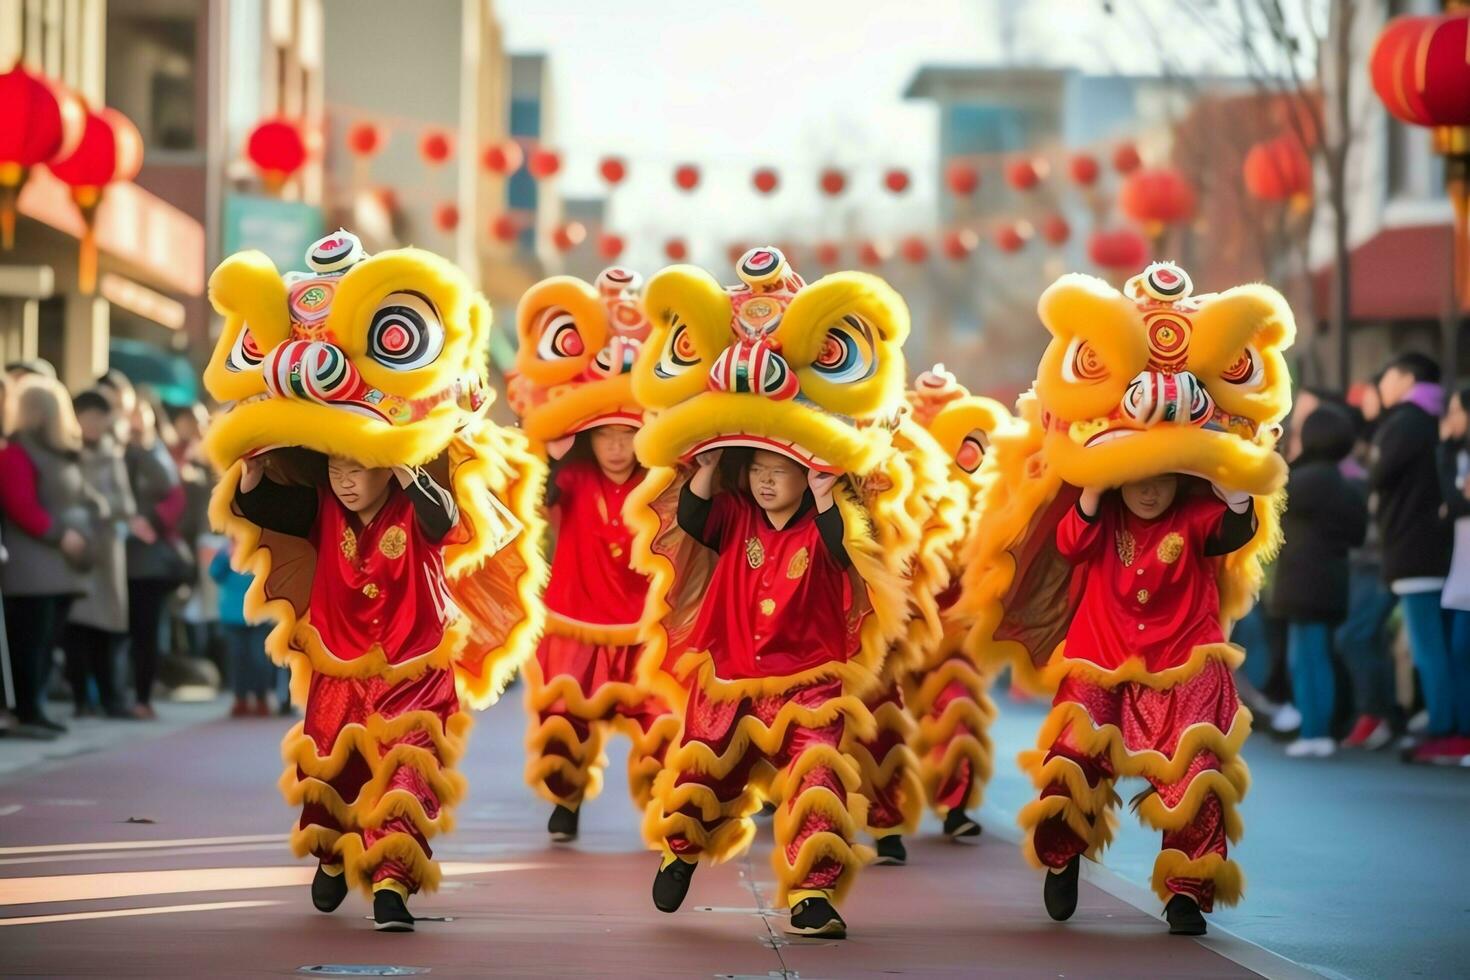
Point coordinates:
[[754, 367], [1156, 397], [312, 370]]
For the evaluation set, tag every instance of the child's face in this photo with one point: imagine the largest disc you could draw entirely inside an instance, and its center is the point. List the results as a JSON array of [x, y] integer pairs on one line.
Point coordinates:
[[358, 487], [95, 424], [776, 482], [612, 447], [1150, 498], [1394, 385]]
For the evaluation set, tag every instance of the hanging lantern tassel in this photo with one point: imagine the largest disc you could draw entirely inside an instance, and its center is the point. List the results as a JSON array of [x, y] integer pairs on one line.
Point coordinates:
[[87, 199], [12, 179]]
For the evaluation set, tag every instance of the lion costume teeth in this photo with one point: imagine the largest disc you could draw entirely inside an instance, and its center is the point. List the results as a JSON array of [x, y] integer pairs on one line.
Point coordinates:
[[379, 359], [812, 372], [1147, 381]]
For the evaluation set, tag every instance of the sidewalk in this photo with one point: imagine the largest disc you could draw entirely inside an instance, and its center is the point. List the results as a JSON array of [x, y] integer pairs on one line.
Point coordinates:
[[21, 756]]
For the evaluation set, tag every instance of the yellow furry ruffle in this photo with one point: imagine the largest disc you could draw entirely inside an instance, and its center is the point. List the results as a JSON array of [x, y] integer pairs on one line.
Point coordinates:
[[847, 815], [1229, 784], [581, 768], [646, 756], [1094, 829], [359, 863], [366, 739], [1151, 764], [596, 633], [1226, 875], [373, 663], [935, 774], [542, 693], [898, 769], [1134, 671], [663, 820], [750, 732]]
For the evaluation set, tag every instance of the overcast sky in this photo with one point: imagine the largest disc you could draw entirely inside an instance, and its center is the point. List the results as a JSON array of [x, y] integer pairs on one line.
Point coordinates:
[[799, 85]]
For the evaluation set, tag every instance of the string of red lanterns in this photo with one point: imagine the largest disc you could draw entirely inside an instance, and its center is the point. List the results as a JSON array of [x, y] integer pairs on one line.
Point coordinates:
[[111, 149], [40, 120]]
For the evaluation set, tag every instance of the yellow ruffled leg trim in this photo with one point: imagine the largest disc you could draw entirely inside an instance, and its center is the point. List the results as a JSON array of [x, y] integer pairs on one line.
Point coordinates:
[[695, 756], [899, 766], [974, 715], [312, 838], [646, 756], [1229, 784], [360, 864], [542, 693], [447, 785], [977, 751], [1226, 875], [297, 749], [1060, 769], [662, 819], [848, 814], [1150, 764], [1096, 833], [581, 769]]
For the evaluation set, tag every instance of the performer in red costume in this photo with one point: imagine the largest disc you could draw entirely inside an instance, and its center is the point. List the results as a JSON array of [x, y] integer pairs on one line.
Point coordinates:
[[1147, 559], [588, 659], [378, 590], [776, 606]]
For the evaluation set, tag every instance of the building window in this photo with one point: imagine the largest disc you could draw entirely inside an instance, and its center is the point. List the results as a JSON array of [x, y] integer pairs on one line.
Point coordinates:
[[153, 71]]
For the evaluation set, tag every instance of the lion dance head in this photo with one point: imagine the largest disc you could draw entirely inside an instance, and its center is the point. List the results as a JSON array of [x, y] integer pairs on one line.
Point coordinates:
[[1153, 379], [380, 359]]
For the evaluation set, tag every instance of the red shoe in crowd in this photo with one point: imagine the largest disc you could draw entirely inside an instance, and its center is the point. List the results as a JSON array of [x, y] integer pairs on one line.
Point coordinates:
[[1370, 732], [240, 709], [261, 709], [1446, 750]]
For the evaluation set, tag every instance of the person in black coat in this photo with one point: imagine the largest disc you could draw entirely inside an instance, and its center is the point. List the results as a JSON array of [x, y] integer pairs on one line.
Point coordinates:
[[1403, 476], [1326, 516]]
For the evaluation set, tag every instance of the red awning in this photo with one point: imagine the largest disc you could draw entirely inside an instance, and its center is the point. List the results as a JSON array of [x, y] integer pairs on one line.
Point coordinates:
[[1398, 274]]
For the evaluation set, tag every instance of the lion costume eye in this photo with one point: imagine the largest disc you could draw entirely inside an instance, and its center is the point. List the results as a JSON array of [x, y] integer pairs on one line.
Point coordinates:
[[847, 353], [558, 337], [245, 354], [1246, 371], [679, 354], [972, 451], [1082, 364], [405, 332]]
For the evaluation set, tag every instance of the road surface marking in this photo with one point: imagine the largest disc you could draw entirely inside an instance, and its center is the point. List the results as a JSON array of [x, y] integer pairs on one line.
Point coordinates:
[[141, 855], [6, 811], [180, 881], [36, 920]]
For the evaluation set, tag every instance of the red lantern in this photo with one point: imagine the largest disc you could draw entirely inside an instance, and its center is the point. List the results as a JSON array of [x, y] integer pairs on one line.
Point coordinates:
[[1421, 70], [1008, 239], [1155, 198], [1126, 158], [613, 171], [961, 178], [543, 163], [765, 180], [1121, 248], [446, 217], [896, 180], [914, 249], [833, 182], [364, 139], [676, 250], [277, 150], [609, 246], [1278, 169], [502, 159], [871, 253], [504, 228], [568, 236], [1084, 169], [1022, 175], [828, 253], [436, 147], [686, 176], [1054, 229], [39, 121], [110, 150], [960, 243]]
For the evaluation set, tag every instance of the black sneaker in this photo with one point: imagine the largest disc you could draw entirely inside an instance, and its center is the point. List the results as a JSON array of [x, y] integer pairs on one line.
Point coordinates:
[[672, 884], [816, 917], [328, 890], [891, 851], [563, 825], [1185, 918], [1060, 893], [961, 828], [390, 913]]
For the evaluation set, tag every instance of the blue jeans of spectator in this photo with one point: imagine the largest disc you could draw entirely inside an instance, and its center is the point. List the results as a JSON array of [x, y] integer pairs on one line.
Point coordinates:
[[1460, 667], [1363, 644], [250, 669], [1429, 642], [1308, 650]]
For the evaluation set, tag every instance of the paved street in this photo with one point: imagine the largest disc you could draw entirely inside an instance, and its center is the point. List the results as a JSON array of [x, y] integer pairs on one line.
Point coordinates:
[[166, 857]]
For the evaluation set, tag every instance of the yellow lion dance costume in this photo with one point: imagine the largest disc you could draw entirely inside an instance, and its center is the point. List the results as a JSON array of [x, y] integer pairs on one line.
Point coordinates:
[[1134, 386], [762, 634], [376, 362], [574, 392]]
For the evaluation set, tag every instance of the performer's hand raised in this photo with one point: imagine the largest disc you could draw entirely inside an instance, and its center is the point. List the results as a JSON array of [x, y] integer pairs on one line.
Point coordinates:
[[252, 471], [821, 484], [708, 459]]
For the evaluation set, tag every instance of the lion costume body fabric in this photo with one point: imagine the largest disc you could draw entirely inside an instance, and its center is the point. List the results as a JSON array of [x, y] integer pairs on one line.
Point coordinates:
[[380, 360], [578, 343], [775, 364], [945, 687], [1150, 381]]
